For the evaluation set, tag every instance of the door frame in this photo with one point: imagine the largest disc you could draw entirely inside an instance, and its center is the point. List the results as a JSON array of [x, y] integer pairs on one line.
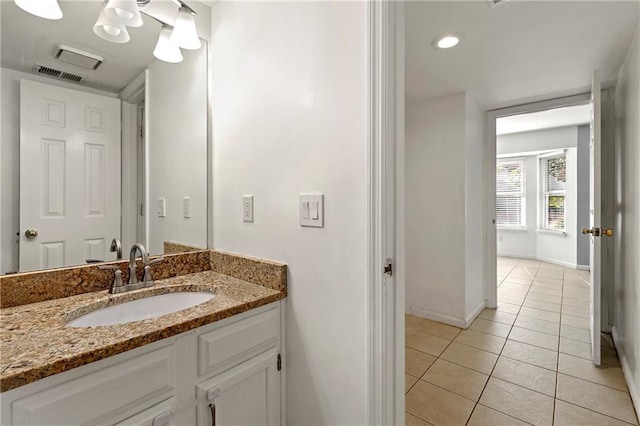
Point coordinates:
[[386, 404], [490, 237]]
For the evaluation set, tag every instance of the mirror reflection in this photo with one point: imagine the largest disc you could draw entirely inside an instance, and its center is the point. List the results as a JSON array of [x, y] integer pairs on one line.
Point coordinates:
[[103, 144]]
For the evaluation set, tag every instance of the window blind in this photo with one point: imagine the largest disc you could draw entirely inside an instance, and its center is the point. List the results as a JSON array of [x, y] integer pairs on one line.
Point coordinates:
[[510, 193]]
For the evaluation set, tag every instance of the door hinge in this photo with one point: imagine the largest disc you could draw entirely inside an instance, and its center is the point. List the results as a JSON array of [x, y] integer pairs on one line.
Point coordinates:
[[141, 209], [279, 362], [388, 267]]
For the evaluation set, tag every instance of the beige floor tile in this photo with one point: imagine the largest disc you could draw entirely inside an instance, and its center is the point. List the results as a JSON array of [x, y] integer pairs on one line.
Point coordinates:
[[469, 357], [524, 404], [498, 316], [538, 325], [483, 341], [409, 381], [438, 406], [544, 290], [578, 303], [576, 312], [526, 375], [410, 420], [518, 280], [540, 314], [584, 369], [575, 333], [490, 327], [416, 362], [435, 328], [535, 338], [541, 357], [575, 348], [575, 321], [555, 285], [572, 415], [545, 306], [541, 297], [576, 293], [485, 416], [509, 298], [459, 380], [509, 308], [425, 342], [602, 399]]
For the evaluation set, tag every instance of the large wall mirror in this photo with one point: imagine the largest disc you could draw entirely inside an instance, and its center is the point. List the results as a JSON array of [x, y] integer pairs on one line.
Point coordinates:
[[101, 141]]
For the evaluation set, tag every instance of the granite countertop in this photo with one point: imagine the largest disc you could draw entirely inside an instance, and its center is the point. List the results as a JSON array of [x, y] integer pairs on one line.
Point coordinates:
[[36, 343]]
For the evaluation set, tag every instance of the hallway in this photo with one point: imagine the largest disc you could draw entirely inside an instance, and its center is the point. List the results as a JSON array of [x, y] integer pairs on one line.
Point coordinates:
[[527, 362]]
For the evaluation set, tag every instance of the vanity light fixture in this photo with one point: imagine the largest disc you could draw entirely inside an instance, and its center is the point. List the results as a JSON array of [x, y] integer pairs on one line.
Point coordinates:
[[166, 50], [446, 41], [48, 9], [184, 33], [124, 11], [109, 29]]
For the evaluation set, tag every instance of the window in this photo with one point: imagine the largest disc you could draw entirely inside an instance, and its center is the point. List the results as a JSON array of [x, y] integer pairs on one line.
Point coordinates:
[[553, 178], [510, 193]]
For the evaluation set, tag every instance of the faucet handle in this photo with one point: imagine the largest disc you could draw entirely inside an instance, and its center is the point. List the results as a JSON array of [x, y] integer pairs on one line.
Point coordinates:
[[117, 275], [147, 269]]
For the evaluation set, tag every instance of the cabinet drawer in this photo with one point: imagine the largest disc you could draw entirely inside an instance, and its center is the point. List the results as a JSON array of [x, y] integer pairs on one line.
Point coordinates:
[[101, 393], [158, 415], [227, 346]]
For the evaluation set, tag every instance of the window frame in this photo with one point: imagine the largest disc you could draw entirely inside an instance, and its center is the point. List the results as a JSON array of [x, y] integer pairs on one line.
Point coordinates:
[[522, 193], [545, 193]]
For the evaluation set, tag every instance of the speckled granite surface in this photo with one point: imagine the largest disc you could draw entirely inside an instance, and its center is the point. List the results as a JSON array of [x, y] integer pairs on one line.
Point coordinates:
[[36, 343], [31, 287], [172, 247], [258, 271]]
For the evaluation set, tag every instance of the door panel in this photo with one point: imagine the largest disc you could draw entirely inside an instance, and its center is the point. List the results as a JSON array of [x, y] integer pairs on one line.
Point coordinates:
[[69, 175], [594, 217]]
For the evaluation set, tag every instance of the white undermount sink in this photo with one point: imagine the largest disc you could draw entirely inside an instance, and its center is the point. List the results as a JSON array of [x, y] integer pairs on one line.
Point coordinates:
[[141, 309]]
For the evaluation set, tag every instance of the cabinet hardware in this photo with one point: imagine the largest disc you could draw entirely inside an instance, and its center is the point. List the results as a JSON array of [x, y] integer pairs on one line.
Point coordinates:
[[279, 362], [388, 267], [213, 414]]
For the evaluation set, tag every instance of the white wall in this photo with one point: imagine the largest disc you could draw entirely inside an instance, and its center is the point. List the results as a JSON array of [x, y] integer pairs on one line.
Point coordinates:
[[290, 116], [529, 242], [10, 159], [443, 181], [176, 125], [627, 226]]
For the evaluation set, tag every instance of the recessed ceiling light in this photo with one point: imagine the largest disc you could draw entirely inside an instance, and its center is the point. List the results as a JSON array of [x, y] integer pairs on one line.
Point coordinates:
[[446, 41]]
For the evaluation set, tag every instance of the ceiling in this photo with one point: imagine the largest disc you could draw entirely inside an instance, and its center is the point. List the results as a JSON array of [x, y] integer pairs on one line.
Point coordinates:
[[521, 51], [558, 117], [27, 40]]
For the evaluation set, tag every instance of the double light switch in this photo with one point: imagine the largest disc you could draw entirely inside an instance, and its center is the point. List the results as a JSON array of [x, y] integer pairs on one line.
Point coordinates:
[[312, 210]]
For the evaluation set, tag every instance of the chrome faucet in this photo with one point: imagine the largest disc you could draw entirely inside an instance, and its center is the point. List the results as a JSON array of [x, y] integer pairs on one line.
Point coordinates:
[[133, 277]]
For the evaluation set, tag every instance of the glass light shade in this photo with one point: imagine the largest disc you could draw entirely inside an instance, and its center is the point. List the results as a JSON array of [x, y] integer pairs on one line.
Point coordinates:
[[184, 33], [165, 49], [48, 9], [109, 29], [125, 12]]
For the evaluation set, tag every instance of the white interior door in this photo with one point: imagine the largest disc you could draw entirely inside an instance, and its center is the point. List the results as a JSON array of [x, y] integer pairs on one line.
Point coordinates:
[[69, 176], [595, 217]]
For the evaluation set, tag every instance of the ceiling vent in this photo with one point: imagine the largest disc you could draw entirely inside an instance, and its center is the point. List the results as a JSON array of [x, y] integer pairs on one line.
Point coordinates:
[[496, 3], [55, 73], [78, 57]]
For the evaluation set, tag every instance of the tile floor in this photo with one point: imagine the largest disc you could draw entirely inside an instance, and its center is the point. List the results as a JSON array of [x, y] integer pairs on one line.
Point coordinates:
[[527, 362]]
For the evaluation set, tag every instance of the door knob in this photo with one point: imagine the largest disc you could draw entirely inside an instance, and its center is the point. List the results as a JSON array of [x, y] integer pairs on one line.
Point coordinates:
[[31, 233], [607, 231], [586, 231]]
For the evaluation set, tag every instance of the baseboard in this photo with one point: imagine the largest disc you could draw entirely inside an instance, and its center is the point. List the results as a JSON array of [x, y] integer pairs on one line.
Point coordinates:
[[472, 316], [544, 259], [446, 319], [516, 256], [558, 262], [626, 371], [583, 267]]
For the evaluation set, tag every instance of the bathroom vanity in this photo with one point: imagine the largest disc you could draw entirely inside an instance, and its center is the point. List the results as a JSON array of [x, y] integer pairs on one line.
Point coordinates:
[[216, 363]]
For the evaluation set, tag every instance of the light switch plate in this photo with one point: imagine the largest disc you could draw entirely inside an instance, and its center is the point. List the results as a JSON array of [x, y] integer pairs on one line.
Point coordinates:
[[247, 208], [311, 210], [162, 207]]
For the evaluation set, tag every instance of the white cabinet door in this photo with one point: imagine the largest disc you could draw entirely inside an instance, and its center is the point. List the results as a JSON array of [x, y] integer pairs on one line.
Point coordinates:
[[248, 394], [69, 175], [158, 415]]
